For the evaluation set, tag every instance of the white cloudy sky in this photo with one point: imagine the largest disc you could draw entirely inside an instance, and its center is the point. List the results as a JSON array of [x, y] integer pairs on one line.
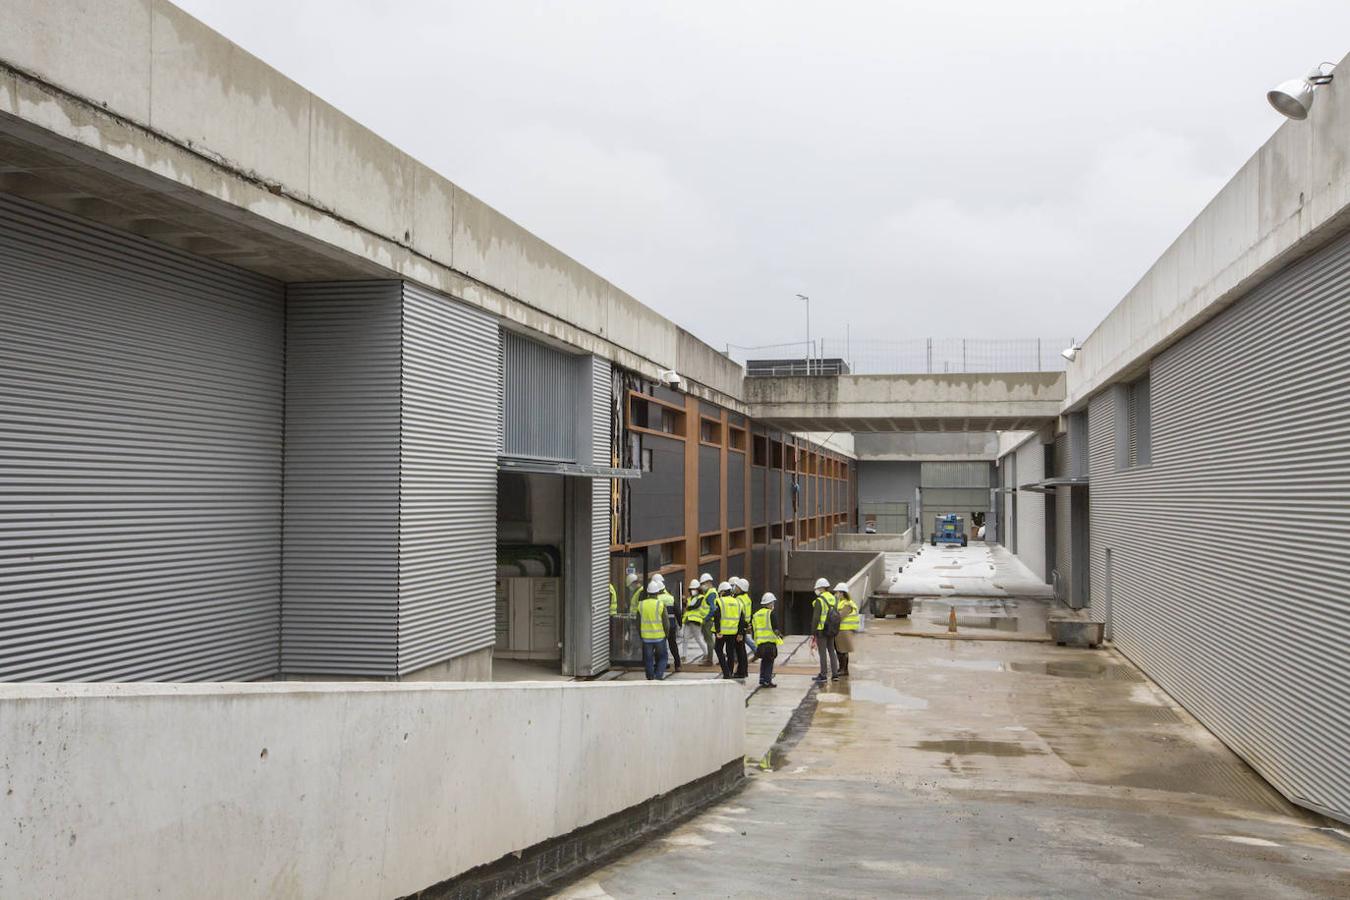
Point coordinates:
[[976, 169]]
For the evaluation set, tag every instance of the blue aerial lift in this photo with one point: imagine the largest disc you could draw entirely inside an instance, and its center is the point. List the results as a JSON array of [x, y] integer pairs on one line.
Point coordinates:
[[948, 529]]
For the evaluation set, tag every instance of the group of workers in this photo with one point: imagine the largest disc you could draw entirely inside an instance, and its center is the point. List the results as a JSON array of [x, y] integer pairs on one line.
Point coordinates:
[[722, 619]]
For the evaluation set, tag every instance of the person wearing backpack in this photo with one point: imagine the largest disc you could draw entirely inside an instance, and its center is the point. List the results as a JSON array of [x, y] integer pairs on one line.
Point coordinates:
[[825, 611]]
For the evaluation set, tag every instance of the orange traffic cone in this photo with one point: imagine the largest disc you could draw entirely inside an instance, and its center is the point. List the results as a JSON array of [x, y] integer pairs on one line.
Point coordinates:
[[951, 621]]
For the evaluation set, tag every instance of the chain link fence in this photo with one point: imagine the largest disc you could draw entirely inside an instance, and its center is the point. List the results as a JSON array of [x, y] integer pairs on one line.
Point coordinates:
[[910, 356]]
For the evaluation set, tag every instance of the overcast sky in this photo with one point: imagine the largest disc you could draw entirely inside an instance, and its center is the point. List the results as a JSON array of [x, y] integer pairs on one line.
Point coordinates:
[[972, 169]]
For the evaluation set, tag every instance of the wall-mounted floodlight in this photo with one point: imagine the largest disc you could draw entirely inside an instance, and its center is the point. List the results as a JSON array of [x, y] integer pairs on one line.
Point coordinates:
[[1071, 351], [1293, 98], [670, 377]]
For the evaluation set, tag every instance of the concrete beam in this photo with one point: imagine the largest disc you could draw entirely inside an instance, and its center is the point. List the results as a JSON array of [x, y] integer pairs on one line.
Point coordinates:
[[927, 447], [900, 403], [252, 158], [1289, 199]]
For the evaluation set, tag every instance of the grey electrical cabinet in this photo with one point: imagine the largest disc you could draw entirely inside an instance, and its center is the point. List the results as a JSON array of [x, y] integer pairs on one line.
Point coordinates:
[[529, 618]]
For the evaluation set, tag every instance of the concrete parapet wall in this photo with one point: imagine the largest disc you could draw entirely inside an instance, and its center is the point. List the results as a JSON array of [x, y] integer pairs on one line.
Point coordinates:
[[862, 570], [327, 790], [873, 543]]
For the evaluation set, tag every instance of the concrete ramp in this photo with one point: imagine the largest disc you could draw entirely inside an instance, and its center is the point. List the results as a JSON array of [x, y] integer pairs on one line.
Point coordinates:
[[1012, 401]]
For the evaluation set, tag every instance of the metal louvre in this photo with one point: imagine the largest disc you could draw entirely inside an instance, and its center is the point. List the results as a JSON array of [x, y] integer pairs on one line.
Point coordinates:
[[601, 406], [140, 448], [1250, 424], [447, 534], [1030, 523], [954, 474], [539, 390], [340, 566]]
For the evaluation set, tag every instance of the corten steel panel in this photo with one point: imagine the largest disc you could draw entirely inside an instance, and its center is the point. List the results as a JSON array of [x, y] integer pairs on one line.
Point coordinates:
[[540, 387], [709, 489], [448, 480], [340, 560], [656, 500], [1250, 424], [141, 399], [1031, 508]]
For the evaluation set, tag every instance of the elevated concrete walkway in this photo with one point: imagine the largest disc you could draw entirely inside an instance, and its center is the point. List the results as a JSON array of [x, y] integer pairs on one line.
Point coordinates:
[[1012, 401]]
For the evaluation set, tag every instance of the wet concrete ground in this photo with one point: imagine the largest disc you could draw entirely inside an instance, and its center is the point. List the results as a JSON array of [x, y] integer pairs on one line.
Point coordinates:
[[990, 768]]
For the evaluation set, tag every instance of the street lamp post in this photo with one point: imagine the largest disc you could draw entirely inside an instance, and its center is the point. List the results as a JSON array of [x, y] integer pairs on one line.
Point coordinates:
[[808, 331]]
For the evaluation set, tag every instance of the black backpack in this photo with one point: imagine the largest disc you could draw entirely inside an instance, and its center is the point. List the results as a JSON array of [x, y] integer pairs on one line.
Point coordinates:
[[832, 620]]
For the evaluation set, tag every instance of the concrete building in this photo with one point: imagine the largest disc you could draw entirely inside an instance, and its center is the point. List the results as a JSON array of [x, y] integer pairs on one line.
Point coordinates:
[[278, 401]]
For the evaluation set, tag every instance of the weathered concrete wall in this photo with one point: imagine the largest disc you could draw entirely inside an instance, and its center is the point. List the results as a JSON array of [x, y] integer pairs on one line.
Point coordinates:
[[334, 790], [858, 568], [873, 543], [1289, 199], [858, 403], [145, 86], [921, 446]]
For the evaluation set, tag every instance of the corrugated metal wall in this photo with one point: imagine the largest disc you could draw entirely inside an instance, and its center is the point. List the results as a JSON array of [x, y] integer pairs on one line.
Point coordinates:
[[140, 437], [1246, 624], [448, 480], [1031, 508], [540, 387], [340, 614], [601, 406]]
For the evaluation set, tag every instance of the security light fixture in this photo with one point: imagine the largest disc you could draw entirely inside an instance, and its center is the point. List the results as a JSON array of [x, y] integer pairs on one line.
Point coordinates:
[[1293, 98], [670, 377], [1071, 351]]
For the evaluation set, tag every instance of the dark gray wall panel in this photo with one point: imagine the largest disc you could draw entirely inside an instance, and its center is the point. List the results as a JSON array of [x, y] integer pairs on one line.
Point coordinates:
[[1250, 428], [735, 490], [448, 480], [709, 489], [773, 492], [140, 451], [340, 566], [758, 507], [736, 566], [887, 481], [656, 500]]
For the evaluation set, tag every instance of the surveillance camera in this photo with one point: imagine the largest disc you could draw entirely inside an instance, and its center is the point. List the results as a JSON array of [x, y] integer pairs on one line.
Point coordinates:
[[670, 377]]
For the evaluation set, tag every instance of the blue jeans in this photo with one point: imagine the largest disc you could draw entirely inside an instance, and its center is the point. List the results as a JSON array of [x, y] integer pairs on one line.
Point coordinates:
[[654, 655]]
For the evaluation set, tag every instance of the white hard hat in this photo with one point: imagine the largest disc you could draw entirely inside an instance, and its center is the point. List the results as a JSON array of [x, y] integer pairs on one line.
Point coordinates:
[[841, 587], [659, 579], [745, 585], [724, 586], [653, 587], [705, 577], [631, 579], [768, 600], [822, 584], [693, 584]]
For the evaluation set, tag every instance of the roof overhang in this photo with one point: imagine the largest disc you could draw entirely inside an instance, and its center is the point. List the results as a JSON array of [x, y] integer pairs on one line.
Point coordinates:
[[559, 467]]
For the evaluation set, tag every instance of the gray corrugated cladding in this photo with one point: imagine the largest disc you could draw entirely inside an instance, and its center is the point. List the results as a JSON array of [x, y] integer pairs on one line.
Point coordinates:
[[1030, 523], [709, 489], [539, 390], [656, 500], [601, 407], [735, 490], [1247, 629], [955, 474], [339, 574], [448, 478], [1063, 516], [140, 438], [891, 481]]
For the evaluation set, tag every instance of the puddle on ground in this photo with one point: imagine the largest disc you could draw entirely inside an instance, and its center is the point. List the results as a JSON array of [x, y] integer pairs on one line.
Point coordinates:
[[979, 665], [960, 747], [876, 692], [1077, 669]]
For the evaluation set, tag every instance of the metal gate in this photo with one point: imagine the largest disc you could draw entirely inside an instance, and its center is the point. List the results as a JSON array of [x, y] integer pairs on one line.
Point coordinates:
[[140, 451]]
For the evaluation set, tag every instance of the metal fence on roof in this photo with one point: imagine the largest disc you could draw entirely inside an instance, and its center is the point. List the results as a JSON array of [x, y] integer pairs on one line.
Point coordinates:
[[909, 356]]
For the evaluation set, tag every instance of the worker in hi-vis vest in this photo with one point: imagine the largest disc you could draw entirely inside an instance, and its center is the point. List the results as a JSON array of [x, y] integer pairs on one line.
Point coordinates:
[[651, 613], [672, 619], [634, 594], [849, 621], [766, 639], [748, 608], [739, 590], [730, 626], [694, 615], [825, 623], [705, 584]]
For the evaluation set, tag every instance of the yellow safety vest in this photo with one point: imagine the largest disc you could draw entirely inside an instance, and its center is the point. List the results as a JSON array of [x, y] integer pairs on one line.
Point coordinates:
[[613, 601], [731, 615], [668, 599], [747, 608], [826, 601], [652, 618], [697, 611], [764, 633], [848, 612], [633, 602]]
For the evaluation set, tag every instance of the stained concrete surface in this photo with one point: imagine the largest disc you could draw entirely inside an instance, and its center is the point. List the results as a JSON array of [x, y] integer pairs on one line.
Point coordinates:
[[990, 768]]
